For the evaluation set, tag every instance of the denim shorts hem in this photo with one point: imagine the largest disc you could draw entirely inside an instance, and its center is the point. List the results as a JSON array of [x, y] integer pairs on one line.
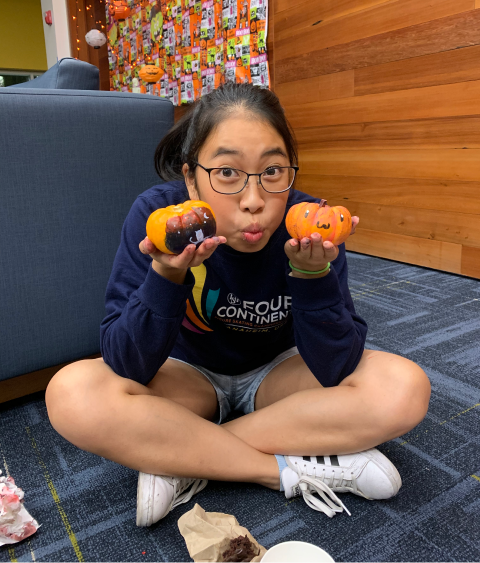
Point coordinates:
[[237, 392]]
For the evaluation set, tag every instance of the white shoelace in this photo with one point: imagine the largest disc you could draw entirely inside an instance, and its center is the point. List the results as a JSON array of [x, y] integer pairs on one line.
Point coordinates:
[[180, 485], [316, 484]]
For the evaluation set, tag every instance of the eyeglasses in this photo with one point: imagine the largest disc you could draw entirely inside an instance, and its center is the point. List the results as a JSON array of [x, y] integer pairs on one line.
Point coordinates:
[[274, 180]]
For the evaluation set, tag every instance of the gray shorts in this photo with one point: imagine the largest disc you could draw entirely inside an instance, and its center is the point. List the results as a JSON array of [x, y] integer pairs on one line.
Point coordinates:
[[237, 392]]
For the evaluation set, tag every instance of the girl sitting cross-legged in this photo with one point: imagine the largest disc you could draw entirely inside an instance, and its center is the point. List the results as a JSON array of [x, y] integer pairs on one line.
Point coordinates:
[[249, 321]]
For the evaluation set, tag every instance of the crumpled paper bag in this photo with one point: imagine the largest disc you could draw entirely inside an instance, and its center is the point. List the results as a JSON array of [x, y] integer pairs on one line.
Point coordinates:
[[16, 524], [208, 534]]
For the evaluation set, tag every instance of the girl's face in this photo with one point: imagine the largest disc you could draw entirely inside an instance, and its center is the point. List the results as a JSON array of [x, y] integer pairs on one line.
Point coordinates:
[[249, 218]]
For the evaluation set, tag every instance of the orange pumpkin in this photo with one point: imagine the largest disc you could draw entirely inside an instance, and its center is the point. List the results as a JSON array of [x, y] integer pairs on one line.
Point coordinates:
[[151, 73], [333, 223], [173, 228], [122, 10]]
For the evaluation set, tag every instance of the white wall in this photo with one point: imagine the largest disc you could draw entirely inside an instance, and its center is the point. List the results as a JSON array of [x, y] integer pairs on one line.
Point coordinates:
[[57, 37]]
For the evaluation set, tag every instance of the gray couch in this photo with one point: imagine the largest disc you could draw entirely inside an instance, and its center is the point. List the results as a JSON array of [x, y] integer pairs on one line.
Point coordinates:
[[71, 164], [67, 73]]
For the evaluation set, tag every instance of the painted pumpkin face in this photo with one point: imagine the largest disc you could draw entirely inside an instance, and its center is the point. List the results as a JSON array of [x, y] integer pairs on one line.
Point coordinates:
[[333, 223], [150, 73], [173, 228]]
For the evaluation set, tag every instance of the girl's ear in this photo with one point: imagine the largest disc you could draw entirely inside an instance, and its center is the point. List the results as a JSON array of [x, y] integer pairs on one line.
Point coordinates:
[[190, 182]]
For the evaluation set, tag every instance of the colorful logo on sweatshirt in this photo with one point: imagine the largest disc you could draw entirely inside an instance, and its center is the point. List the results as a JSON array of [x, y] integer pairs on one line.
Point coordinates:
[[198, 320]]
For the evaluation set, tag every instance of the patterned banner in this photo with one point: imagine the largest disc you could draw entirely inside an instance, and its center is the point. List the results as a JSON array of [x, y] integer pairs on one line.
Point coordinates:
[[198, 45]]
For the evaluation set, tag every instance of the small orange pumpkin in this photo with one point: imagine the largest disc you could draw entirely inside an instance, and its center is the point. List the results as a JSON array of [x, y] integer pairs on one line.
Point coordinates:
[[151, 73], [333, 223], [173, 228], [122, 10]]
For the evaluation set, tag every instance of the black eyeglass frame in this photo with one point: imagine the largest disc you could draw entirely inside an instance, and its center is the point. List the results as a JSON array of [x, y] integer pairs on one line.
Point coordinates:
[[209, 170]]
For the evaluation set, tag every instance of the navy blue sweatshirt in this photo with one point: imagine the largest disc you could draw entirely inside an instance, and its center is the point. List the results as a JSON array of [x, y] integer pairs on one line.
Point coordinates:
[[232, 314]]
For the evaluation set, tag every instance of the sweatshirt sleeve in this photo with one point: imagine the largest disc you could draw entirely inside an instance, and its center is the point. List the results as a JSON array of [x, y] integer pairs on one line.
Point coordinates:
[[144, 310], [328, 332]]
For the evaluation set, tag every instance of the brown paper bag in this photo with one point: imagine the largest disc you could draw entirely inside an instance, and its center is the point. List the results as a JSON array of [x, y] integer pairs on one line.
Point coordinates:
[[208, 534]]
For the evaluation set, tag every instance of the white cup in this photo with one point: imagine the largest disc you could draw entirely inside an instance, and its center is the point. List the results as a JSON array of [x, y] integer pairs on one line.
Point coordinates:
[[296, 552]]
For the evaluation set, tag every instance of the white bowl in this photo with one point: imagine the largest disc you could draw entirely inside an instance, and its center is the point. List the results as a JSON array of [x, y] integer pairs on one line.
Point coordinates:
[[296, 552]]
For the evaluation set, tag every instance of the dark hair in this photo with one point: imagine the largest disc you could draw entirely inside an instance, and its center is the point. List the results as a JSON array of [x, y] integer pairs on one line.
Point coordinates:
[[185, 139]]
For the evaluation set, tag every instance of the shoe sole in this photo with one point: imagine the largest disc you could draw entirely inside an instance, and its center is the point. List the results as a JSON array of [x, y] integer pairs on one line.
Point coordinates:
[[145, 490]]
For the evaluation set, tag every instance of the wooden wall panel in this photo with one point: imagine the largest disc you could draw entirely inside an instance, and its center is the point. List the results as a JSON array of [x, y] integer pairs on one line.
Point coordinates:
[[318, 88], [419, 103], [448, 132], [442, 163], [442, 34], [446, 226], [470, 264], [400, 145], [414, 193], [366, 23], [84, 15], [431, 70], [297, 17], [439, 255]]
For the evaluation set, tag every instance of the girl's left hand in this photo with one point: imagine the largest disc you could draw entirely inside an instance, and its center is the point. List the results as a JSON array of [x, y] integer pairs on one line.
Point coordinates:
[[313, 254]]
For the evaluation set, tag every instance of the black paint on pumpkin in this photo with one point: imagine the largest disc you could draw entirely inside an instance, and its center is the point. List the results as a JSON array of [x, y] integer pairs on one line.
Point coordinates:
[[322, 226], [193, 227]]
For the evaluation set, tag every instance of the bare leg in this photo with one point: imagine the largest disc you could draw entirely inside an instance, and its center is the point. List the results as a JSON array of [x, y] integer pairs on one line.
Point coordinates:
[[129, 423], [156, 430], [386, 396]]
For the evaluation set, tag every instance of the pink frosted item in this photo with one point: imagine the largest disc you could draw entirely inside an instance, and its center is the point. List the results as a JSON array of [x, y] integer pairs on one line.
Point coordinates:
[[16, 524]]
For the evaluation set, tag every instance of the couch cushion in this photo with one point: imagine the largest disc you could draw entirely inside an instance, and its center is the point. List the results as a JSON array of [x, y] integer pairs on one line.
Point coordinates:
[[68, 73], [71, 165]]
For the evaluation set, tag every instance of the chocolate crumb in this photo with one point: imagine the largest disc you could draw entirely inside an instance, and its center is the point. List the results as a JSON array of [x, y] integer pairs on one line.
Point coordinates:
[[241, 549]]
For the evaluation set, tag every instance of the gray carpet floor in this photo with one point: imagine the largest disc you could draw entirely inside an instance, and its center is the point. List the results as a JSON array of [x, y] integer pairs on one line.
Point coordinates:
[[86, 504]]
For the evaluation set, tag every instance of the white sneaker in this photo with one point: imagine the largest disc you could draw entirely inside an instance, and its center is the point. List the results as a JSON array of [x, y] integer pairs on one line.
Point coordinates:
[[157, 495], [368, 474]]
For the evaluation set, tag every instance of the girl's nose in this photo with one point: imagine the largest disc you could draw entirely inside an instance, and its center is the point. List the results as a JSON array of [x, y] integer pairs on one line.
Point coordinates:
[[252, 195]]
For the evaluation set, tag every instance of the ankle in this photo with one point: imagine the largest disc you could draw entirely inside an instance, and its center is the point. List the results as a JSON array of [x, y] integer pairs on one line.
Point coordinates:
[[271, 479]]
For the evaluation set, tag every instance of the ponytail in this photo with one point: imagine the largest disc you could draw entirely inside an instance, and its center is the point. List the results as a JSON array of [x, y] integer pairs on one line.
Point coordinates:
[[169, 153]]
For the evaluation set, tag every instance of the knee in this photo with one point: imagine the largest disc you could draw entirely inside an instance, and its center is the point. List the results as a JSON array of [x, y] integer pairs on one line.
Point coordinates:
[[71, 396], [410, 397]]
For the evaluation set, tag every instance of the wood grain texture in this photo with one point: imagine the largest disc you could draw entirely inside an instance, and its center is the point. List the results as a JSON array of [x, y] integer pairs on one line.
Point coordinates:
[[296, 17], [441, 164], [402, 152], [271, 38], [420, 103], [440, 34], [416, 194], [435, 254], [331, 86], [448, 132], [378, 19], [431, 70], [445, 226], [470, 262], [78, 27]]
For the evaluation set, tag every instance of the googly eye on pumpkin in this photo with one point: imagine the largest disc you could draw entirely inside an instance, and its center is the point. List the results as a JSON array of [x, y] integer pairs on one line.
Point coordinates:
[[306, 218], [173, 228]]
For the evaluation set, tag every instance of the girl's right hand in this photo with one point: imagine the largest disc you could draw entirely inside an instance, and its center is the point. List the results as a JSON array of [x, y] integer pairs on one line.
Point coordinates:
[[174, 266]]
